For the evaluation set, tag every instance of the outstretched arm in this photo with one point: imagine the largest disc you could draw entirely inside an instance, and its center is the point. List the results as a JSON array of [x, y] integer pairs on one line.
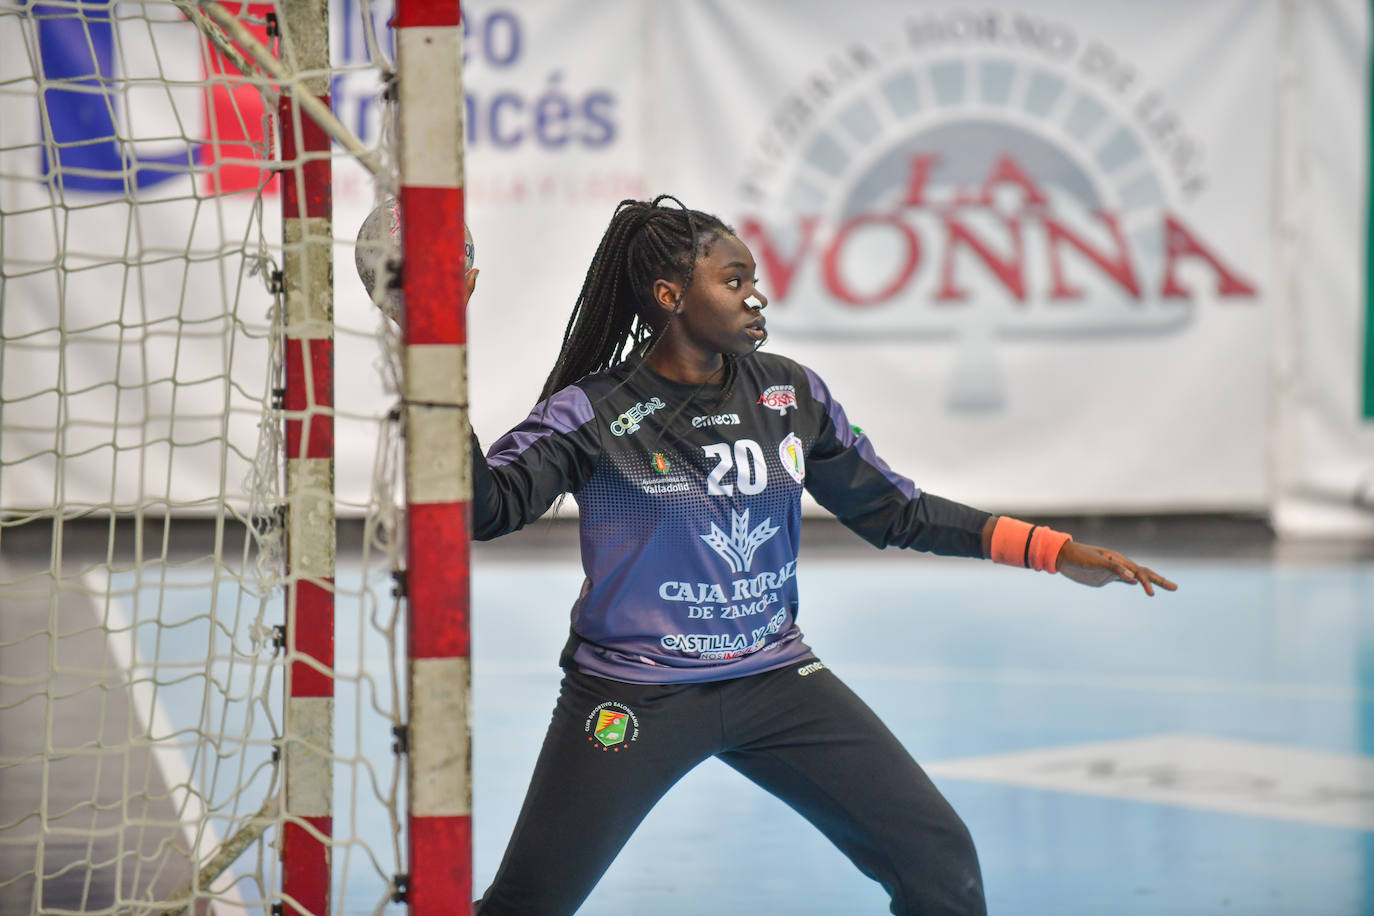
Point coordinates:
[[1083, 563]]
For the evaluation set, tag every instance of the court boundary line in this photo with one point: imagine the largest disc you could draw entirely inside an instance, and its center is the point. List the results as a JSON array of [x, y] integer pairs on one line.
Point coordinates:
[[1162, 683], [171, 762]]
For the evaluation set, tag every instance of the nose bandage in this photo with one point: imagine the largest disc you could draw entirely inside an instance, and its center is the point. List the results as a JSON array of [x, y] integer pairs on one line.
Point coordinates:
[[753, 302]]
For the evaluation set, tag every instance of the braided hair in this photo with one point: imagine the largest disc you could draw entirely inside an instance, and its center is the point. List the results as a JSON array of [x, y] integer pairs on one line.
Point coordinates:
[[616, 311]]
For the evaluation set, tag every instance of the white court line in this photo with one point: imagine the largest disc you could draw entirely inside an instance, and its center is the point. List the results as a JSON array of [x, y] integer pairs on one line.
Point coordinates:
[[1194, 771], [171, 761], [1161, 683]]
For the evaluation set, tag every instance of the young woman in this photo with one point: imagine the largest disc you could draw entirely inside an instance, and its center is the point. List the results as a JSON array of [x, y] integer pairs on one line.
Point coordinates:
[[687, 452]]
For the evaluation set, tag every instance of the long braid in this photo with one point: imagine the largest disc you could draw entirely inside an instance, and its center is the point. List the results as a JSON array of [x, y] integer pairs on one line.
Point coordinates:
[[643, 243], [594, 317]]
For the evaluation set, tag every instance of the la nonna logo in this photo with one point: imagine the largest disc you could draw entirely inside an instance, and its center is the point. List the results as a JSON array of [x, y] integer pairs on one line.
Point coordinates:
[[1002, 237], [944, 188]]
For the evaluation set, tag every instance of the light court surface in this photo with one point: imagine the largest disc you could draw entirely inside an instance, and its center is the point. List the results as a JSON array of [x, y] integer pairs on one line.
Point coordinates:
[[1206, 751]]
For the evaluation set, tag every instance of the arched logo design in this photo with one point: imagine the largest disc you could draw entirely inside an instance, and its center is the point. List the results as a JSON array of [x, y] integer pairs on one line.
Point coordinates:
[[977, 198]]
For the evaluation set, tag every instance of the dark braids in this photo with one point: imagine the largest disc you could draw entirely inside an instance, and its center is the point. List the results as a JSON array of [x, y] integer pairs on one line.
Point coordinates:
[[611, 320]]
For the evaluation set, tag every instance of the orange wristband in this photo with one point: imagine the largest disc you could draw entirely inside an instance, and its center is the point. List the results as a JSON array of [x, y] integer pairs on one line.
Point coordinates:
[[1018, 543], [1009, 539]]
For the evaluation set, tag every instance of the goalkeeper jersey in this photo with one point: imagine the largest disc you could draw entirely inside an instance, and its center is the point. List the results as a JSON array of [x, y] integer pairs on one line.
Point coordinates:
[[689, 507]]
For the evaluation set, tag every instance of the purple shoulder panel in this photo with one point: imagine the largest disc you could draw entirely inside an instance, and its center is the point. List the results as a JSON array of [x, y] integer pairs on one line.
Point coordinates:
[[849, 439], [561, 413]]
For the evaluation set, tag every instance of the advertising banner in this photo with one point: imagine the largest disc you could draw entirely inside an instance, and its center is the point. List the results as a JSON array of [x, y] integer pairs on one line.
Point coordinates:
[[1323, 349], [1027, 244], [1052, 255], [135, 286]]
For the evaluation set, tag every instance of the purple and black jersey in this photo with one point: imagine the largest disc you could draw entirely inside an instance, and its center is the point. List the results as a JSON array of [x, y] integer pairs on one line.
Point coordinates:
[[690, 511]]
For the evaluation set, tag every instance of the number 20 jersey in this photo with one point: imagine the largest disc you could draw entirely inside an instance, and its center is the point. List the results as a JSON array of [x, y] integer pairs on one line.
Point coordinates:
[[690, 511]]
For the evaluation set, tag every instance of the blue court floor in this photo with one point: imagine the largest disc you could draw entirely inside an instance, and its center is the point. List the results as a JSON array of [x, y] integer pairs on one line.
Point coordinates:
[[1209, 751]]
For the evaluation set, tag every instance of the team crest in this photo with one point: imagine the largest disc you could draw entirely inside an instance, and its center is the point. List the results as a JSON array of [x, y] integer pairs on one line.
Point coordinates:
[[790, 454], [661, 463], [779, 398], [611, 725]]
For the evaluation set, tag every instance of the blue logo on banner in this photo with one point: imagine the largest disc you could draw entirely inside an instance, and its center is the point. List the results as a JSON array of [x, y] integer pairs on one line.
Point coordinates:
[[85, 153]]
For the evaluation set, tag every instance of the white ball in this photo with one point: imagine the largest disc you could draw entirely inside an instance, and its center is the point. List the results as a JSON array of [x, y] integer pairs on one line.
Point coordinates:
[[377, 253]]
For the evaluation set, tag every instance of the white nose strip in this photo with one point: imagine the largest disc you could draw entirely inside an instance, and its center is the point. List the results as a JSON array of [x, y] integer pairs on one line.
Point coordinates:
[[751, 301]]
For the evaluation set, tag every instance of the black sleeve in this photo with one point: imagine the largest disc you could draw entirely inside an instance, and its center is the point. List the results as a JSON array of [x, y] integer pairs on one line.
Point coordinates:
[[553, 452], [846, 476]]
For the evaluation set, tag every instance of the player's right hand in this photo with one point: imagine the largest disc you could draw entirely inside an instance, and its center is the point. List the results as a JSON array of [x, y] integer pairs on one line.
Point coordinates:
[[1097, 566]]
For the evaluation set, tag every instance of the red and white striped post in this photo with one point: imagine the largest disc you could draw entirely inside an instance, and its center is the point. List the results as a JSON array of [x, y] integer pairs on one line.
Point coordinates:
[[307, 229], [438, 468]]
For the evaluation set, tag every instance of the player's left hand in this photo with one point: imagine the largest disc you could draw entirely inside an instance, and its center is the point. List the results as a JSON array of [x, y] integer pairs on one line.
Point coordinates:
[[471, 280], [1096, 566]]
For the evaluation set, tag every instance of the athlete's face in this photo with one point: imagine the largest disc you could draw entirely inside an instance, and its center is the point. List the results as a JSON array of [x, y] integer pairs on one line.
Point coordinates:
[[722, 310]]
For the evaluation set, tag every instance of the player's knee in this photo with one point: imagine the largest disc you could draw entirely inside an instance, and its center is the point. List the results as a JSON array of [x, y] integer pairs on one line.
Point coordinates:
[[944, 878], [500, 902]]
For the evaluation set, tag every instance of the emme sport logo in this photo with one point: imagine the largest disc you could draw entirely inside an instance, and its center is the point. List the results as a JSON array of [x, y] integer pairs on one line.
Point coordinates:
[[982, 175]]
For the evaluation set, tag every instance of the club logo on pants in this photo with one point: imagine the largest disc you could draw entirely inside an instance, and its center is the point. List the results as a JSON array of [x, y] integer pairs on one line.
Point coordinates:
[[610, 725]]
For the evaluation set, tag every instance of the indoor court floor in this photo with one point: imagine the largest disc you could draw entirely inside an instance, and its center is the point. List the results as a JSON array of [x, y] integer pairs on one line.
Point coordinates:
[[1209, 751]]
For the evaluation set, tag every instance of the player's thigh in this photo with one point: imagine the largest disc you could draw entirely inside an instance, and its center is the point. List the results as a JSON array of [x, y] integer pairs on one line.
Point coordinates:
[[813, 740], [612, 750], [816, 745]]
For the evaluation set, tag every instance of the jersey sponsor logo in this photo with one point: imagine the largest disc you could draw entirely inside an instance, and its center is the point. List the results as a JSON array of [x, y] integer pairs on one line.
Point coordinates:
[[810, 669], [716, 419], [721, 646], [661, 487], [711, 599], [779, 398], [790, 454], [738, 547], [628, 422], [610, 725], [663, 484]]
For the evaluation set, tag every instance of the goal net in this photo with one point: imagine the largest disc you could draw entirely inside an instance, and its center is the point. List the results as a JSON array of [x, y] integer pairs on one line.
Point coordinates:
[[199, 679]]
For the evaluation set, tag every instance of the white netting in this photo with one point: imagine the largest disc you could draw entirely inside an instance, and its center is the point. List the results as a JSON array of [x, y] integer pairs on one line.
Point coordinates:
[[142, 576]]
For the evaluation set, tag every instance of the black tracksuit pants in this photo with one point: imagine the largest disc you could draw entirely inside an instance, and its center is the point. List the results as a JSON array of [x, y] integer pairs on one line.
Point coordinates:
[[798, 732]]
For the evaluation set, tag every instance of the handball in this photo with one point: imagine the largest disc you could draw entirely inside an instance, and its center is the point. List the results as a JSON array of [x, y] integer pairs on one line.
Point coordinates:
[[377, 255]]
